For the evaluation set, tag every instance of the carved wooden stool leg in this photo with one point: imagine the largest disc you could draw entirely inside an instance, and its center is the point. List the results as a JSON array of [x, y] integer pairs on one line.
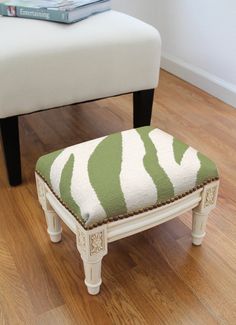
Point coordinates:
[[198, 227], [93, 278], [52, 219], [54, 225], [92, 245], [201, 212]]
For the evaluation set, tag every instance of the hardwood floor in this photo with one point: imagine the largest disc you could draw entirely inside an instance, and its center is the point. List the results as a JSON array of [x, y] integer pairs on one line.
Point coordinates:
[[156, 277]]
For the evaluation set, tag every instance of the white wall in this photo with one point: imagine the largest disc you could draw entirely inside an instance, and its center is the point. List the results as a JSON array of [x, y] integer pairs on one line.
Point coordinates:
[[199, 40]]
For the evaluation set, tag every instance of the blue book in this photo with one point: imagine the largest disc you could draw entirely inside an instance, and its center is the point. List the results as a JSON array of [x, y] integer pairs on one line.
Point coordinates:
[[64, 11]]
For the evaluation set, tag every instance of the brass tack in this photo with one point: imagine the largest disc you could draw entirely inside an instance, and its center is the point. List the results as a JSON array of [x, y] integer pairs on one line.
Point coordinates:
[[159, 204]]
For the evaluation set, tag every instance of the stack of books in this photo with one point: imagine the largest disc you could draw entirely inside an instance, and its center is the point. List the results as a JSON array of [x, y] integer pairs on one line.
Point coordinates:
[[64, 11]]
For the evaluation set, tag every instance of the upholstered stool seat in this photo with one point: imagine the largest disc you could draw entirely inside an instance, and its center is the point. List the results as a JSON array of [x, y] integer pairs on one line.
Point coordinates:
[[121, 184], [45, 65]]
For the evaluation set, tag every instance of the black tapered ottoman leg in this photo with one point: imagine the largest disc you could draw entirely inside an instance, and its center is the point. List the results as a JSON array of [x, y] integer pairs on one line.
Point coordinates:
[[11, 147], [142, 103]]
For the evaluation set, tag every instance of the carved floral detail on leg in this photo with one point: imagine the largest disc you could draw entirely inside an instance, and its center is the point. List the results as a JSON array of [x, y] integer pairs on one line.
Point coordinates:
[[97, 243], [210, 196], [81, 239]]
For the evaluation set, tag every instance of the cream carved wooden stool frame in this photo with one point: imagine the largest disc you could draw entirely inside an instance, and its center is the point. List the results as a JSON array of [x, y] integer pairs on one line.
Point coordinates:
[[93, 244]]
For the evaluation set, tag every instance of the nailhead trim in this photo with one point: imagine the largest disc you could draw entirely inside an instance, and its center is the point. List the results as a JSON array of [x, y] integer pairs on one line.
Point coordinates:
[[129, 214]]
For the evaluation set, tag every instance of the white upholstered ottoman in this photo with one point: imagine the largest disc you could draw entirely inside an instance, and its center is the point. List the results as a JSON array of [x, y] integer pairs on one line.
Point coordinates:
[[115, 186], [45, 65]]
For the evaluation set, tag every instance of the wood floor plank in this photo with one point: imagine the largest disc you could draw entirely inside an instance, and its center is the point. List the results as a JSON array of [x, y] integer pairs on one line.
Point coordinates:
[[119, 306], [171, 299], [202, 283], [211, 261], [226, 250], [27, 256], [58, 316], [15, 305]]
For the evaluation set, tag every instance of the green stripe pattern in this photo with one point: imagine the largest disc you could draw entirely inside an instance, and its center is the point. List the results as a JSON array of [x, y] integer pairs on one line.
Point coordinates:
[[161, 180], [65, 186], [104, 174], [110, 184]]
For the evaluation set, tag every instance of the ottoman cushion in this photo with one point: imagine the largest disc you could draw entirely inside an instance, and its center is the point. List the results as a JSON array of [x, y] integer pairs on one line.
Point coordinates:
[[45, 65], [123, 174]]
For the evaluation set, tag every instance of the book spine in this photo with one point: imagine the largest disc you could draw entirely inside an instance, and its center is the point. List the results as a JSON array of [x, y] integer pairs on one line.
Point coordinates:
[[34, 13]]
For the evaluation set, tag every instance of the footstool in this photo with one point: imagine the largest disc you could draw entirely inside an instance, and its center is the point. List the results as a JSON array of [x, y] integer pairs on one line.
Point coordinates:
[[45, 65], [121, 184]]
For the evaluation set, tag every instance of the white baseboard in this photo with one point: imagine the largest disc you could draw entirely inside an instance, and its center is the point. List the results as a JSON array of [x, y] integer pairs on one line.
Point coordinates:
[[204, 80]]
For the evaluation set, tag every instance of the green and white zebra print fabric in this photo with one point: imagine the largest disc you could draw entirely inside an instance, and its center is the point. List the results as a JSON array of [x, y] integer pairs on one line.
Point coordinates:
[[122, 173]]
